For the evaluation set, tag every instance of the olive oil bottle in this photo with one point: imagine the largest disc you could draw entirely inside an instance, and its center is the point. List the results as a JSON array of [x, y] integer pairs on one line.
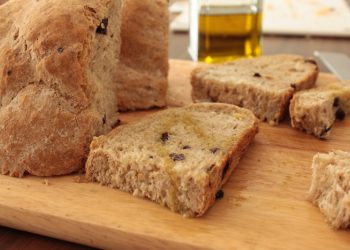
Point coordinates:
[[226, 32]]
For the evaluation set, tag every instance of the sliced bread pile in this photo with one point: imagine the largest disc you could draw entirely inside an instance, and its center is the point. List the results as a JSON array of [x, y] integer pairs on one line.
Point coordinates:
[[179, 158], [270, 86], [330, 187], [264, 85]]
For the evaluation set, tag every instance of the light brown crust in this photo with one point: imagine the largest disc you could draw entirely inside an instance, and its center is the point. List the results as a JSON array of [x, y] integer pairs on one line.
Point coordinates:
[[232, 160], [142, 77], [268, 102], [106, 165], [47, 111]]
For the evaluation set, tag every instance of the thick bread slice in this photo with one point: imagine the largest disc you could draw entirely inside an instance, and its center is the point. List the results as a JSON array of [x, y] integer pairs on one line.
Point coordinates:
[[179, 158], [264, 85], [315, 110], [56, 86], [142, 77], [330, 187]]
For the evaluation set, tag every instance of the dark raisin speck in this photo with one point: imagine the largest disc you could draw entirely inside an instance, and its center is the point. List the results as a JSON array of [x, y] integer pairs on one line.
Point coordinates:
[[214, 150], [325, 132], [224, 171], [336, 102], [293, 85], [151, 156], [9, 72], [90, 9], [340, 114], [219, 195], [177, 157], [60, 50], [164, 137], [116, 123], [257, 75], [102, 28], [186, 147], [104, 119]]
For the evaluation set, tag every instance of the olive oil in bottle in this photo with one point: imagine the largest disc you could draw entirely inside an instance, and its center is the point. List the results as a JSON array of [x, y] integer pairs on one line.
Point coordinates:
[[228, 32]]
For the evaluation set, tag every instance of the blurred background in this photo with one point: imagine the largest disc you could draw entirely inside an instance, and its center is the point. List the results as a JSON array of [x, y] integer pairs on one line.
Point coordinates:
[[289, 26]]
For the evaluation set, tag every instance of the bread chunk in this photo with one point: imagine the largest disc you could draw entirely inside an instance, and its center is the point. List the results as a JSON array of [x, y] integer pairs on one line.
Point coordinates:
[[315, 110], [179, 158], [56, 89], [142, 77], [330, 187], [264, 85]]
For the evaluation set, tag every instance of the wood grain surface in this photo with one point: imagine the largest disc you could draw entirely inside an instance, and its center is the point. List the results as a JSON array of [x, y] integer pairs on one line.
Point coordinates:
[[264, 206]]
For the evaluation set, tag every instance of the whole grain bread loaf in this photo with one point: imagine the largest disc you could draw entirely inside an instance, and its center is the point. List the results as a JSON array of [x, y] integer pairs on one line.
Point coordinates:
[[330, 187], [264, 84], [142, 76], [179, 157], [315, 110], [56, 86]]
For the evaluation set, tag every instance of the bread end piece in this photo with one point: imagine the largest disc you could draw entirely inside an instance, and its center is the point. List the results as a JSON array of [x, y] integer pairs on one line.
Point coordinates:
[[315, 110], [330, 187]]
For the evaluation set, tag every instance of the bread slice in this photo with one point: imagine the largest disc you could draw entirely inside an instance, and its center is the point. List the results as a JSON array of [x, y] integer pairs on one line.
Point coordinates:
[[142, 77], [330, 187], [56, 90], [179, 158], [315, 110], [264, 85]]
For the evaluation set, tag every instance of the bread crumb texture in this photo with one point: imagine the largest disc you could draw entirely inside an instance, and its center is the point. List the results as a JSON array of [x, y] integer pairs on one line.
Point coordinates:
[[330, 187], [315, 110], [178, 157], [264, 84]]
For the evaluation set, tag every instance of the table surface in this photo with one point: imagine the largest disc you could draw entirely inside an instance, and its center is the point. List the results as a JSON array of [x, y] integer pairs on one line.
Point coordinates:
[[14, 239]]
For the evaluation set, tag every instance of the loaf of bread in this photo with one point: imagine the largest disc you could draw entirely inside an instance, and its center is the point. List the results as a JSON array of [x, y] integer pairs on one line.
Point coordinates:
[[179, 157], [315, 110], [264, 85], [142, 77], [330, 187], [56, 90]]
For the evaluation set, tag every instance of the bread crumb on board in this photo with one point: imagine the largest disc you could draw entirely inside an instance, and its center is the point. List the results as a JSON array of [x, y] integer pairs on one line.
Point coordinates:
[[46, 182]]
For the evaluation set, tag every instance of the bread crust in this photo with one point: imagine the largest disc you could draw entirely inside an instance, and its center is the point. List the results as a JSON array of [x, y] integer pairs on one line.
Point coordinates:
[[255, 84], [315, 110], [48, 99], [106, 166], [142, 77]]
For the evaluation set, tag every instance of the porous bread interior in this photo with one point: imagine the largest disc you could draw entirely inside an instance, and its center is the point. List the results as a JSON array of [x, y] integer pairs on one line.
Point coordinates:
[[313, 111], [135, 159], [330, 187], [263, 85], [101, 70]]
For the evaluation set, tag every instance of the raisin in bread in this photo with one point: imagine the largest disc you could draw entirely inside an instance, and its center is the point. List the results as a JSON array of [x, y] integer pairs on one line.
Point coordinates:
[[315, 110], [142, 76], [264, 85], [179, 157], [56, 91], [330, 187]]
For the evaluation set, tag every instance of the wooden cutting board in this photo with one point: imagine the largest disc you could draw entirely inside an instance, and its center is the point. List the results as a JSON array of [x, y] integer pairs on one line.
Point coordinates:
[[264, 206]]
